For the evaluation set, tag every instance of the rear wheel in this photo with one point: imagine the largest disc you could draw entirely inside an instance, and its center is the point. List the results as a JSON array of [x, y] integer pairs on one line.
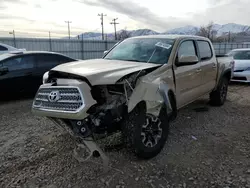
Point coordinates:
[[145, 134], [218, 97]]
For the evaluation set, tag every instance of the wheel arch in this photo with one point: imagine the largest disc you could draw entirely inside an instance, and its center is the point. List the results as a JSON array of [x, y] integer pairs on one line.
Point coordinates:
[[227, 74]]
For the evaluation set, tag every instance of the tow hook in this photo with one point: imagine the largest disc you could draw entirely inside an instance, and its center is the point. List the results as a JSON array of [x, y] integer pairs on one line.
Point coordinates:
[[81, 127]]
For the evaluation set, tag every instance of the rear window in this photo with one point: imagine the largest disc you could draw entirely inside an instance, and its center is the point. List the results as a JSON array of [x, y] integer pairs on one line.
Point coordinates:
[[240, 55], [51, 60], [205, 50]]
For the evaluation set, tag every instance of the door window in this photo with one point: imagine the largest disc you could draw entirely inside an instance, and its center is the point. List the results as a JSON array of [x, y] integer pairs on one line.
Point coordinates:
[[205, 50], [187, 48], [63, 59], [18, 63], [51, 60]]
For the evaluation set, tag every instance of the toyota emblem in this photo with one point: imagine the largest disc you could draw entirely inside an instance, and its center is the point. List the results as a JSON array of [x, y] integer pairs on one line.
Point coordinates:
[[54, 96]]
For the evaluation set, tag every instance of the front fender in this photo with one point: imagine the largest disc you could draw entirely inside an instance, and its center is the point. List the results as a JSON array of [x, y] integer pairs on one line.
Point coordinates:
[[155, 94]]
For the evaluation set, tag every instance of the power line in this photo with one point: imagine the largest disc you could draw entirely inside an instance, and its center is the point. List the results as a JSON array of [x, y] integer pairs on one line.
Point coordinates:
[[68, 22], [101, 15], [114, 23]]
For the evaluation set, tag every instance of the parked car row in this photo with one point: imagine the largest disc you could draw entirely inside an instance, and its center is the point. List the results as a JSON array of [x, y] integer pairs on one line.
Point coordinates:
[[23, 71]]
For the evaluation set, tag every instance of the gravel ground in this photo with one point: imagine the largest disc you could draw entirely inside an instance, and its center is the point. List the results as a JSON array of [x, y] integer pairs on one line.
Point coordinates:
[[205, 149]]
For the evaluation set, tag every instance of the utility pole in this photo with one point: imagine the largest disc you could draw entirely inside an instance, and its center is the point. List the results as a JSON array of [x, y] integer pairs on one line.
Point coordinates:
[[101, 15], [68, 22], [14, 37], [114, 23], [229, 36], [50, 46]]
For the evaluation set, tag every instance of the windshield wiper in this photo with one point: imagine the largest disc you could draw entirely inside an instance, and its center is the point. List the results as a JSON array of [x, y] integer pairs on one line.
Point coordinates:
[[135, 60]]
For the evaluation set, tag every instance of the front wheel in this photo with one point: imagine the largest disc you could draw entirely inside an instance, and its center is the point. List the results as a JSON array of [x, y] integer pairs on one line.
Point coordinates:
[[145, 134], [218, 97]]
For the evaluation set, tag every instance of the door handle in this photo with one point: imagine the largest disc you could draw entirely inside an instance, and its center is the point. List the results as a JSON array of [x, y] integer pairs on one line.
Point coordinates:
[[214, 65]]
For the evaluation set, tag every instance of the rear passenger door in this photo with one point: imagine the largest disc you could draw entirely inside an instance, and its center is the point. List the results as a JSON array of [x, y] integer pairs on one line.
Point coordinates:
[[18, 74], [208, 66]]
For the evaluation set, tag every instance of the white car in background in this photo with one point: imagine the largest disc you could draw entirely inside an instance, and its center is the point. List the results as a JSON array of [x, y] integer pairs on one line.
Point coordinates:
[[242, 64], [4, 48]]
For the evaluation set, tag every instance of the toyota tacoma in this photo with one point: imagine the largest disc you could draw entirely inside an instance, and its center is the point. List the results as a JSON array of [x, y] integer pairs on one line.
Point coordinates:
[[135, 89]]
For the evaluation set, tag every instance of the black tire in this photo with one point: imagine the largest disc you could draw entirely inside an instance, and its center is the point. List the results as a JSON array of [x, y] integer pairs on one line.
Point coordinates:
[[219, 96], [137, 124]]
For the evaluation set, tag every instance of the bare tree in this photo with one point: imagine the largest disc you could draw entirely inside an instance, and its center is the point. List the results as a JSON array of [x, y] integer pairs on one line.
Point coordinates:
[[123, 34], [208, 31]]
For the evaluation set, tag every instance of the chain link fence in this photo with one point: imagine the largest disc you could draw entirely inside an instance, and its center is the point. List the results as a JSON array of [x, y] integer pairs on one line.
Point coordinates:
[[89, 49], [223, 48], [79, 49]]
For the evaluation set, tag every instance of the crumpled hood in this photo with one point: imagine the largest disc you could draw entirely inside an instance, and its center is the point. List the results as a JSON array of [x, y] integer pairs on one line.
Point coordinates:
[[241, 64], [102, 71]]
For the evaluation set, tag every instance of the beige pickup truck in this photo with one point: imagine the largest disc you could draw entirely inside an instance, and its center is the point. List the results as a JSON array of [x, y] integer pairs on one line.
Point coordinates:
[[135, 89]]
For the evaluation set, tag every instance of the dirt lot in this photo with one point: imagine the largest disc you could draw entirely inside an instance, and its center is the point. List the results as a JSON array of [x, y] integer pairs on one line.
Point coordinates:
[[204, 149]]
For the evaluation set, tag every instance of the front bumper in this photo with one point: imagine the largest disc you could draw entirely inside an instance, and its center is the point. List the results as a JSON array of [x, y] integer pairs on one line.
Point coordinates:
[[43, 107], [243, 76]]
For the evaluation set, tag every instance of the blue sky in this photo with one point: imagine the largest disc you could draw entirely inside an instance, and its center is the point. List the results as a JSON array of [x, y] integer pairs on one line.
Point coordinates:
[[37, 17]]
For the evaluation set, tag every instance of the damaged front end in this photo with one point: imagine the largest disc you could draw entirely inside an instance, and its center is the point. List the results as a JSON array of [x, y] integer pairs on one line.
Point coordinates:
[[90, 113]]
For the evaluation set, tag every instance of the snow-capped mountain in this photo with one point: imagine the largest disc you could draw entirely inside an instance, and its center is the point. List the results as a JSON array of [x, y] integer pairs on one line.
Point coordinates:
[[89, 35], [221, 29], [141, 32], [233, 28], [186, 30], [111, 36]]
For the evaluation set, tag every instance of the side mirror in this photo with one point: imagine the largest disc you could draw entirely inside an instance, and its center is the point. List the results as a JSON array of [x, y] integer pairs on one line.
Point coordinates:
[[187, 60], [4, 70]]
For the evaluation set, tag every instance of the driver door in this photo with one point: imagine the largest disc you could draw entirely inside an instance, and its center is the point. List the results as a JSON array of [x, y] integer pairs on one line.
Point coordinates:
[[188, 77]]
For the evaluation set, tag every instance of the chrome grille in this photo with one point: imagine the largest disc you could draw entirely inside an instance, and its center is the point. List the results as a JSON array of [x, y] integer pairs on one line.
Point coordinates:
[[69, 100]]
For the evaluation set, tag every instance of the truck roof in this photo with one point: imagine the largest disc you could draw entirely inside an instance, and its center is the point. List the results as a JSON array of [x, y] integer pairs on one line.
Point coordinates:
[[172, 36]]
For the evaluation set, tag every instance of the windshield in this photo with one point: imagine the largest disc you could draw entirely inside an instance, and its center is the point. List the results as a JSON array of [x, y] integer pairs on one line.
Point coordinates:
[[240, 55], [150, 50]]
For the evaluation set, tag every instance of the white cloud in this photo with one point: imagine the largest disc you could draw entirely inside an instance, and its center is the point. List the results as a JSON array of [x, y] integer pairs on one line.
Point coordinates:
[[39, 17]]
